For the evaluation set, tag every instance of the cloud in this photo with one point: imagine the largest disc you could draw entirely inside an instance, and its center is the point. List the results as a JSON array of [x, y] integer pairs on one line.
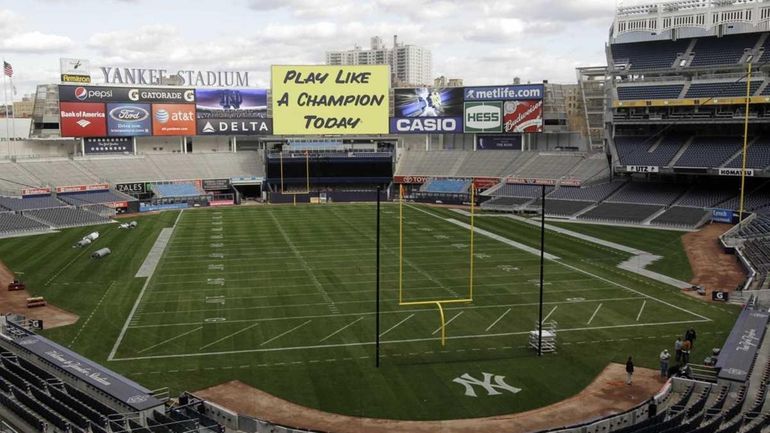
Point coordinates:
[[16, 38]]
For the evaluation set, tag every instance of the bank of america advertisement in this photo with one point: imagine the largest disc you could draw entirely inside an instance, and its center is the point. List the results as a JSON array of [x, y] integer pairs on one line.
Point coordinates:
[[232, 112], [330, 100], [427, 110]]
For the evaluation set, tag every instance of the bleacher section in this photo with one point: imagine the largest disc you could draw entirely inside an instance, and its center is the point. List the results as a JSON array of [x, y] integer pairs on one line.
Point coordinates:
[[177, 190], [720, 90], [65, 217], [59, 172], [13, 179], [446, 186], [11, 224], [18, 204], [705, 196], [648, 151], [668, 91], [709, 152], [662, 194], [757, 156], [648, 55], [686, 217], [726, 50], [620, 212], [561, 208], [98, 197], [593, 193]]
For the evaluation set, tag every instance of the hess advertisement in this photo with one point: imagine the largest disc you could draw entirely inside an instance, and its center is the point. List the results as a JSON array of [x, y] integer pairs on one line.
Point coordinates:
[[334, 100], [427, 110], [232, 112]]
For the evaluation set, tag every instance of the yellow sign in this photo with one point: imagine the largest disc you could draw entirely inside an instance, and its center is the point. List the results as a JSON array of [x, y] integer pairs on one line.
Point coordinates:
[[689, 102], [330, 100]]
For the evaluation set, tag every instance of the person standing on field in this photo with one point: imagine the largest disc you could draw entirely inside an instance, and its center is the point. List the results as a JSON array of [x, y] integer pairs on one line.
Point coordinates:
[[686, 352], [629, 370], [678, 349], [664, 357]]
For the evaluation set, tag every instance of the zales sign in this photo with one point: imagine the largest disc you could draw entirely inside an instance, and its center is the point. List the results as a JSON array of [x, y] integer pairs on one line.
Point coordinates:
[[182, 77]]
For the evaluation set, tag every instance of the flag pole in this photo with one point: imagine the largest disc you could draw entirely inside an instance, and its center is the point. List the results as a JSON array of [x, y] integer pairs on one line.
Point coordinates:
[[13, 111], [5, 105]]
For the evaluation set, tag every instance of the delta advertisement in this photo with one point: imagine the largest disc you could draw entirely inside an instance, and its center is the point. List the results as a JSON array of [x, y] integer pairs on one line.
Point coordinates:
[[427, 110], [333, 100], [232, 112]]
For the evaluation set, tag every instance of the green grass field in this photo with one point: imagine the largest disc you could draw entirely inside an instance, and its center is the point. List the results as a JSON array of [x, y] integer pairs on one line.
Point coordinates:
[[283, 298]]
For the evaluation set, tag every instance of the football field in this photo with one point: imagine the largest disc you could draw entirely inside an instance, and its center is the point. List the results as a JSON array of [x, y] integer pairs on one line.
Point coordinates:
[[283, 298]]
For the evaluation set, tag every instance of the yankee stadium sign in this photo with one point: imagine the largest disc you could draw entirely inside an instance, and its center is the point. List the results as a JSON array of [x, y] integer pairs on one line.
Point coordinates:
[[145, 76]]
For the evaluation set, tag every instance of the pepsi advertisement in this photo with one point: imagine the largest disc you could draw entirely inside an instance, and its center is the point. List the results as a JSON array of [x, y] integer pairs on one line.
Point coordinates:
[[128, 120], [232, 112], [424, 110]]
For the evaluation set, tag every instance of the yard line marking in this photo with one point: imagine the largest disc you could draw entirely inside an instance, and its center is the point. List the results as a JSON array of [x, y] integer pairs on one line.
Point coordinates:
[[397, 324], [228, 336], [419, 310], [413, 340], [170, 339], [284, 333], [91, 316], [303, 262], [549, 314], [594, 315], [640, 311], [341, 329], [144, 289], [498, 319], [448, 322]]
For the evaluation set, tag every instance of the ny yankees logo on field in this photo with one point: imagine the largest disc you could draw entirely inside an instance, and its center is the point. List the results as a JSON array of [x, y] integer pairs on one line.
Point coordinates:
[[469, 382]]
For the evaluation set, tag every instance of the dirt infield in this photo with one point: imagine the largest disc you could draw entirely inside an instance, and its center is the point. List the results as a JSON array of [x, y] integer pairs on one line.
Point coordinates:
[[606, 395], [712, 268], [16, 302]]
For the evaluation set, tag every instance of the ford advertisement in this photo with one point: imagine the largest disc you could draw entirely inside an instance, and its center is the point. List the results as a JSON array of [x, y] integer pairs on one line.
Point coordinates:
[[129, 120]]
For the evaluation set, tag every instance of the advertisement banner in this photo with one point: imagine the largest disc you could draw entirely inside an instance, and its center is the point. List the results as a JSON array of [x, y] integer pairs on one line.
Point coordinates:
[[82, 188], [415, 180], [26, 192], [75, 70], [105, 145], [542, 181], [523, 116], [735, 172], [516, 92], [483, 183], [232, 112], [82, 119], [68, 93], [216, 184], [336, 100], [722, 215], [427, 109], [643, 168], [92, 94], [484, 116], [173, 119], [131, 120], [134, 187], [499, 142]]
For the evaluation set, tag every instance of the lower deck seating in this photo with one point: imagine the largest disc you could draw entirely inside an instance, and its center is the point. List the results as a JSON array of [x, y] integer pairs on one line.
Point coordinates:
[[682, 217], [621, 212], [65, 217], [11, 223], [562, 208]]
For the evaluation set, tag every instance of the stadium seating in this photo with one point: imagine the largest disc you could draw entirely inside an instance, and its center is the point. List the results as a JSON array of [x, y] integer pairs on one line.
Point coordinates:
[[11, 223], [561, 208], [79, 199], [620, 212], [549, 166], [14, 179], [705, 196], [669, 91], [662, 194], [648, 151], [726, 50], [504, 203], [517, 190], [59, 172], [709, 152], [720, 90], [446, 186], [648, 55], [757, 156], [177, 190], [65, 217], [678, 216], [39, 202], [593, 193]]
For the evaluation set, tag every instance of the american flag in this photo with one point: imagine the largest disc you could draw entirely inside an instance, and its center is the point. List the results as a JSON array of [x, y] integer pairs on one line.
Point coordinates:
[[7, 69]]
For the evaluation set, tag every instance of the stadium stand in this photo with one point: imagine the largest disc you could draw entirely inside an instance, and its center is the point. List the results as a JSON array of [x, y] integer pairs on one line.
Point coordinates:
[[551, 166], [177, 190], [685, 217], [20, 204], [726, 50], [639, 193], [593, 193], [620, 212], [705, 196], [517, 190], [561, 208], [13, 179], [648, 55], [97, 197], [12, 223], [59, 172], [122, 169], [65, 217], [757, 156], [724, 89], [667, 91], [648, 151]]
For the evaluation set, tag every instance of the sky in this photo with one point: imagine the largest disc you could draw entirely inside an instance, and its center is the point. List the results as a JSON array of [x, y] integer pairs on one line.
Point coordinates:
[[480, 41]]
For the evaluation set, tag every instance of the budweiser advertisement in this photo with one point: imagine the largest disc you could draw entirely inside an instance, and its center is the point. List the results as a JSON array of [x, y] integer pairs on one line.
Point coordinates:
[[35, 191], [82, 119], [484, 183], [523, 116]]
